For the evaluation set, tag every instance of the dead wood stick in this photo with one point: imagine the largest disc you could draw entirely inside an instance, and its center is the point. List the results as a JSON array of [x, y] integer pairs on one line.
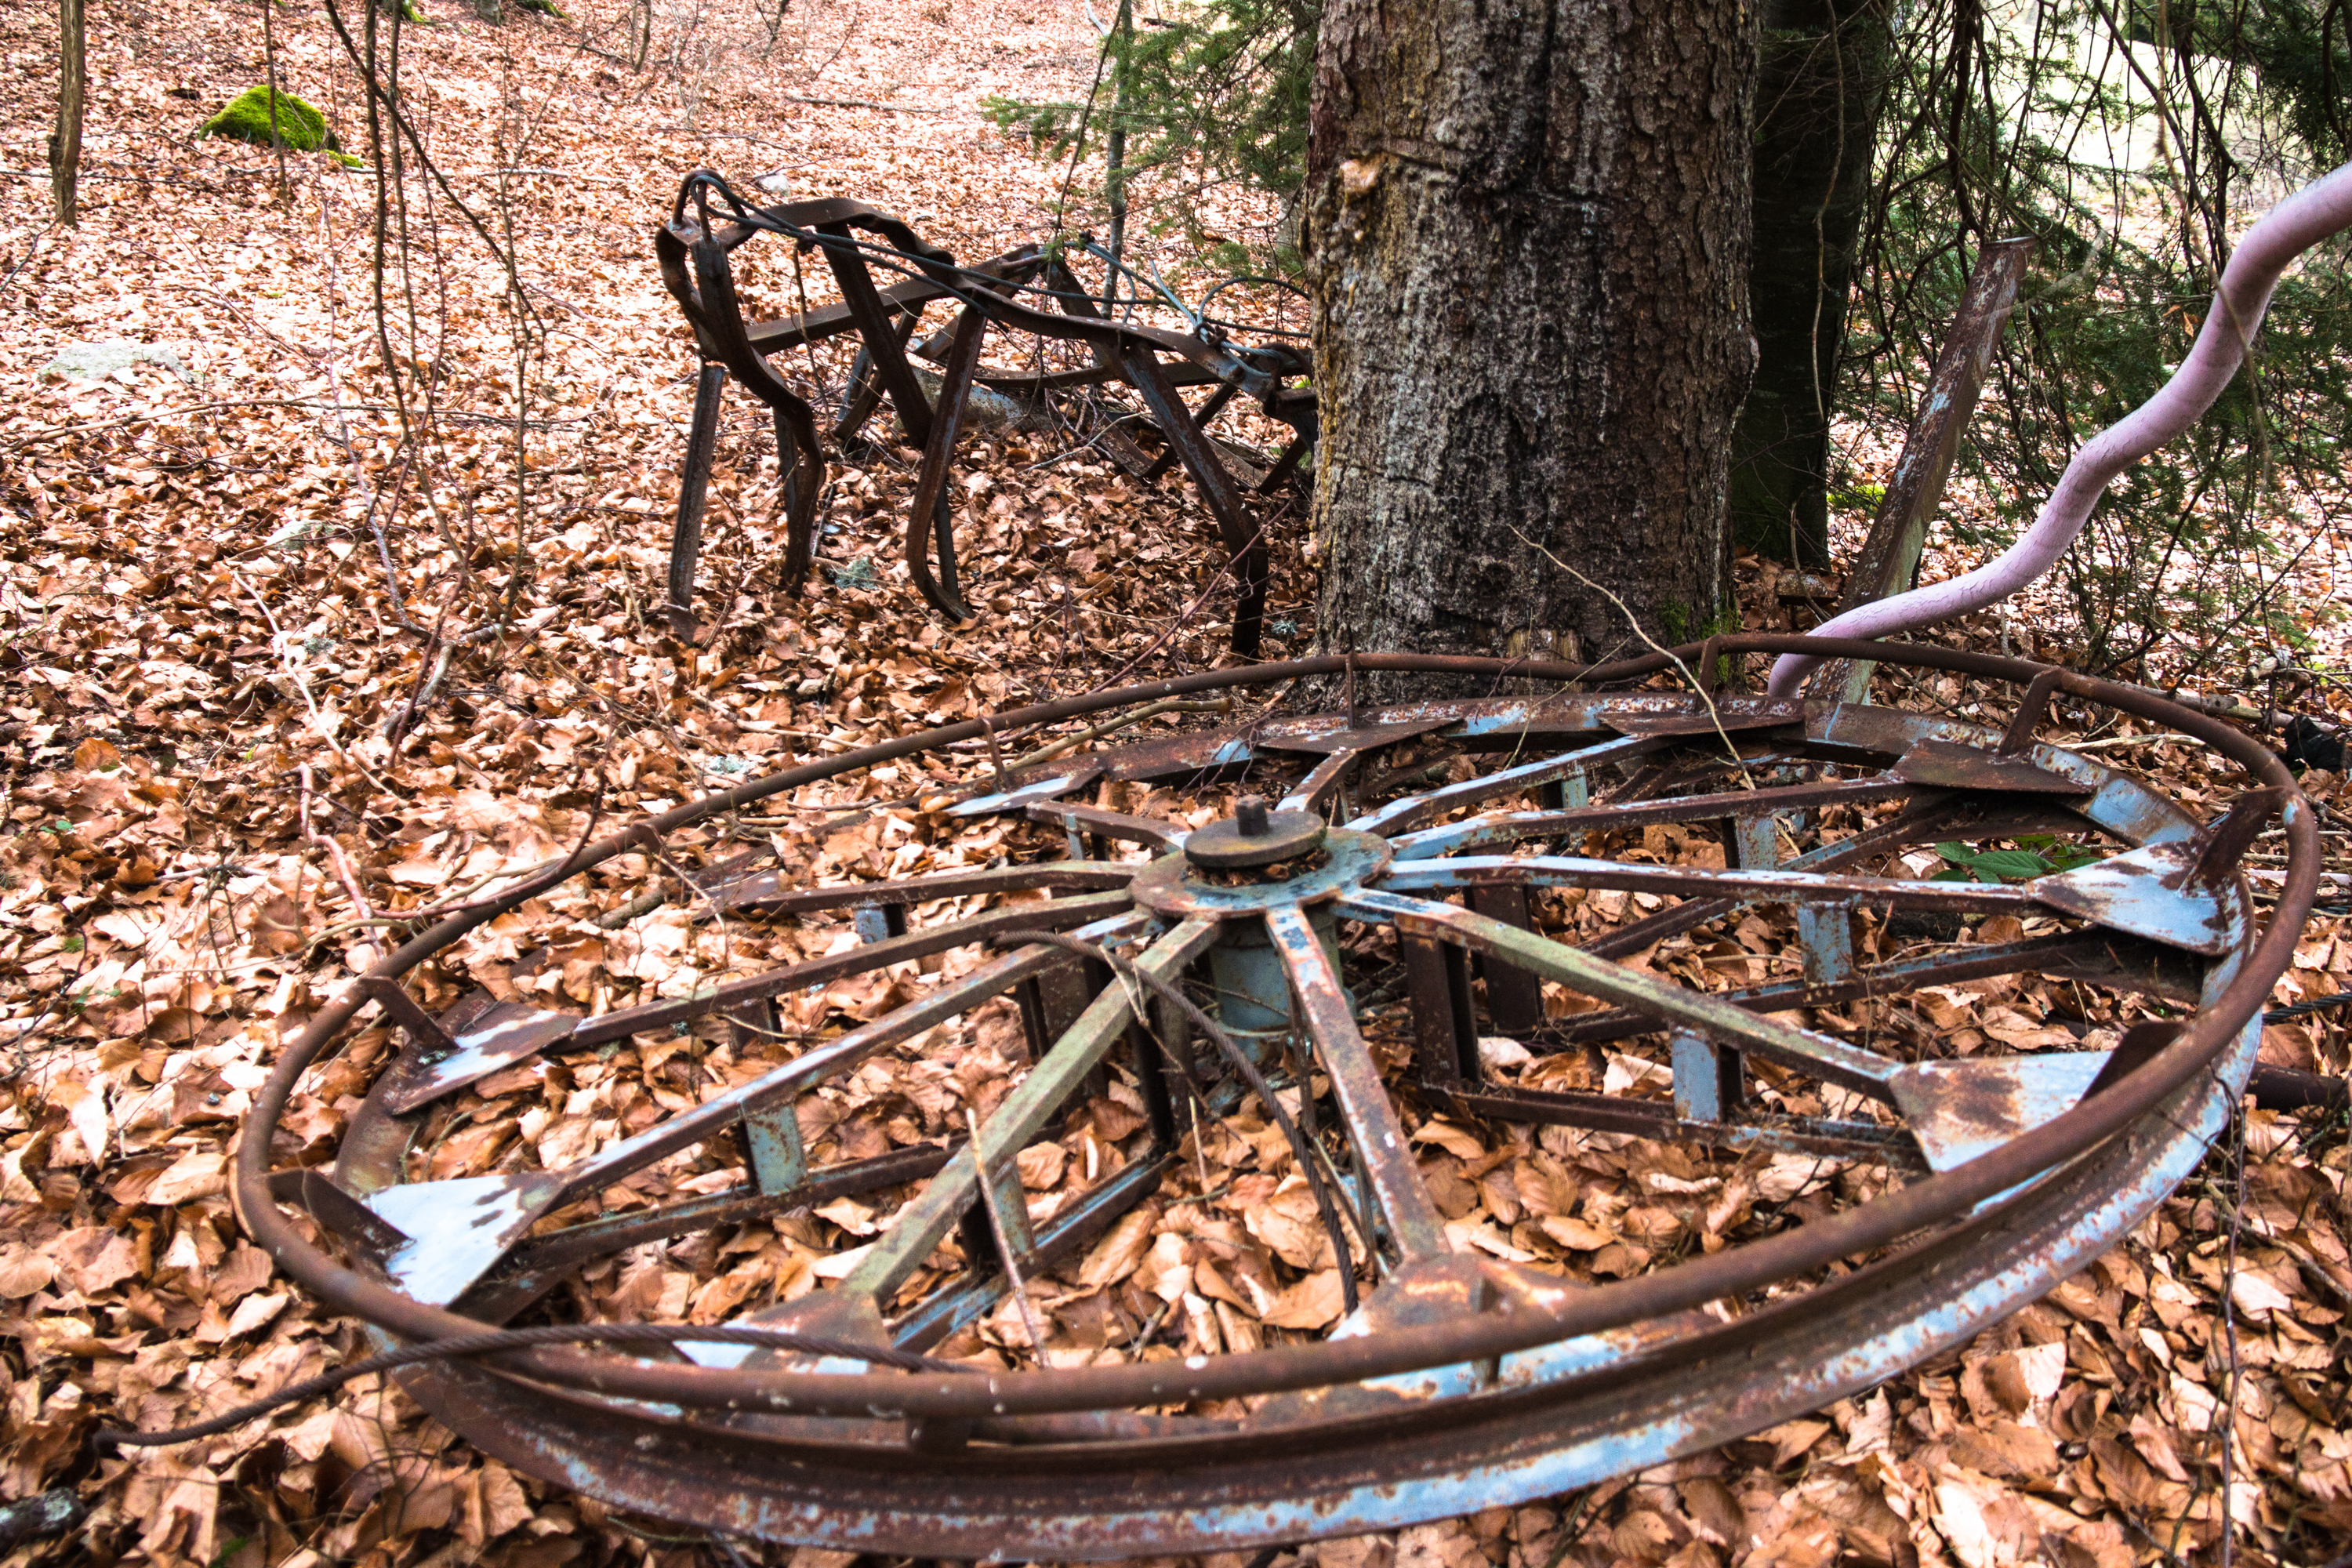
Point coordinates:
[[858, 103]]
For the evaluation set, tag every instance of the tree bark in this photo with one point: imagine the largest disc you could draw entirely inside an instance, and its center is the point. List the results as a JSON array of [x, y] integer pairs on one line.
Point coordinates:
[[1821, 78], [1527, 230], [65, 142]]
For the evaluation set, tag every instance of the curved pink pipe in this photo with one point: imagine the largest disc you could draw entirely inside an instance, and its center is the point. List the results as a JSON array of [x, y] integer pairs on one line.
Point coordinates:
[[2290, 228]]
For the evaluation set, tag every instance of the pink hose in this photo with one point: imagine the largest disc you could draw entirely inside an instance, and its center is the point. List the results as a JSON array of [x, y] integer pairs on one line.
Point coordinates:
[[2290, 228]]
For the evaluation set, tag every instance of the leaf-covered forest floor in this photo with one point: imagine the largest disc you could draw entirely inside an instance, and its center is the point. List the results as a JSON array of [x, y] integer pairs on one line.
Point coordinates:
[[342, 612]]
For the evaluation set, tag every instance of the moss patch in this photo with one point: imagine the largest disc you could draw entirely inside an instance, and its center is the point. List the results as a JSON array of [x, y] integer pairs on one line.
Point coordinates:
[[245, 117]]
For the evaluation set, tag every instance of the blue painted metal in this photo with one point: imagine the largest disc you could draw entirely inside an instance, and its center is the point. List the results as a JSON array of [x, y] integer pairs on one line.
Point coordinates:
[[880, 922], [1014, 799], [1826, 933], [2145, 892], [1959, 1110]]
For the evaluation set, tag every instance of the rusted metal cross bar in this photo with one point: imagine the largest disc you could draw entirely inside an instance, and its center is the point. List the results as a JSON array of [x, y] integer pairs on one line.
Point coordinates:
[[694, 247], [1890, 555]]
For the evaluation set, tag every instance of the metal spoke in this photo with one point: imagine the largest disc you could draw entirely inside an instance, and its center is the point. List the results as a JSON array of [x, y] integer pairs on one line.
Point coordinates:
[[1924, 821], [1817, 1054], [433, 1069], [1073, 820], [923, 1224], [1505, 827], [457, 1229], [1704, 881], [1414, 1225], [1325, 778], [1573, 771], [2096, 956], [768, 893]]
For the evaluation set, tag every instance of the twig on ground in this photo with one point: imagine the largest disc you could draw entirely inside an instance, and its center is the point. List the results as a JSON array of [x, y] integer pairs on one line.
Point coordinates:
[[338, 861], [1632, 620], [858, 103]]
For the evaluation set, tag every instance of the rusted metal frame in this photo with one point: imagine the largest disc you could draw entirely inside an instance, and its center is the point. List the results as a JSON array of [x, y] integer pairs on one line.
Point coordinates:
[[2087, 955], [995, 1228], [538, 1265], [1765, 1132], [903, 298], [970, 1294], [1052, 1000], [1075, 819], [766, 895], [1445, 1031], [1085, 1498], [1825, 940], [906, 297], [1246, 551], [1296, 409], [1764, 886], [816, 212], [1322, 782], [696, 271], [1209, 410], [2019, 737], [874, 324], [1890, 554], [453, 1069], [800, 466], [929, 514], [427, 1038], [1710, 1082], [1506, 827], [1414, 1228], [925, 1222], [1573, 769], [676, 1010], [1155, 1073], [772, 1149], [863, 395], [1514, 996], [1932, 817], [429, 1069], [1674, 775], [473, 1221], [878, 923], [1816, 1055], [693, 490], [2221, 843], [1954, 765], [1875, 1225]]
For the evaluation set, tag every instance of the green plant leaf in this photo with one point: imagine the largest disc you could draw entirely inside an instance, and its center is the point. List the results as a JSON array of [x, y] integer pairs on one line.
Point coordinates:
[[2008, 864]]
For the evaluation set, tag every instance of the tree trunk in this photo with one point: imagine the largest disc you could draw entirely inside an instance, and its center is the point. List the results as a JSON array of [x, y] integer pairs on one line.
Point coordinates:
[[1821, 77], [65, 142], [1528, 233]]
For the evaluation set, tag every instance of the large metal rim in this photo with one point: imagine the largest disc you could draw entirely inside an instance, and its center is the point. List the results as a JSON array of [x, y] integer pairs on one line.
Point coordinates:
[[2143, 1135]]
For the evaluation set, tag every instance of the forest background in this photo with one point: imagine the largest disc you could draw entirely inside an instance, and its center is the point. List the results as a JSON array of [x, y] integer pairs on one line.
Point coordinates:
[[362, 549]]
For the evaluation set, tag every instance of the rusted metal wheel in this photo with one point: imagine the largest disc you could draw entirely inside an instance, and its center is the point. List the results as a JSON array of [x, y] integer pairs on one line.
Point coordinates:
[[1466, 1372]]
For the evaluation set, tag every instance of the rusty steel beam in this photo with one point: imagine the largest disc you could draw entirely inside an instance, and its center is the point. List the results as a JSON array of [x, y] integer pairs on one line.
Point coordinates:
[[884, 319], [1890, 554]]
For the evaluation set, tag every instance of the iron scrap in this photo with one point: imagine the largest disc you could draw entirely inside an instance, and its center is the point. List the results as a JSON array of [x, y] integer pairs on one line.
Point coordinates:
[[694, 249], [1463, 1380]]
